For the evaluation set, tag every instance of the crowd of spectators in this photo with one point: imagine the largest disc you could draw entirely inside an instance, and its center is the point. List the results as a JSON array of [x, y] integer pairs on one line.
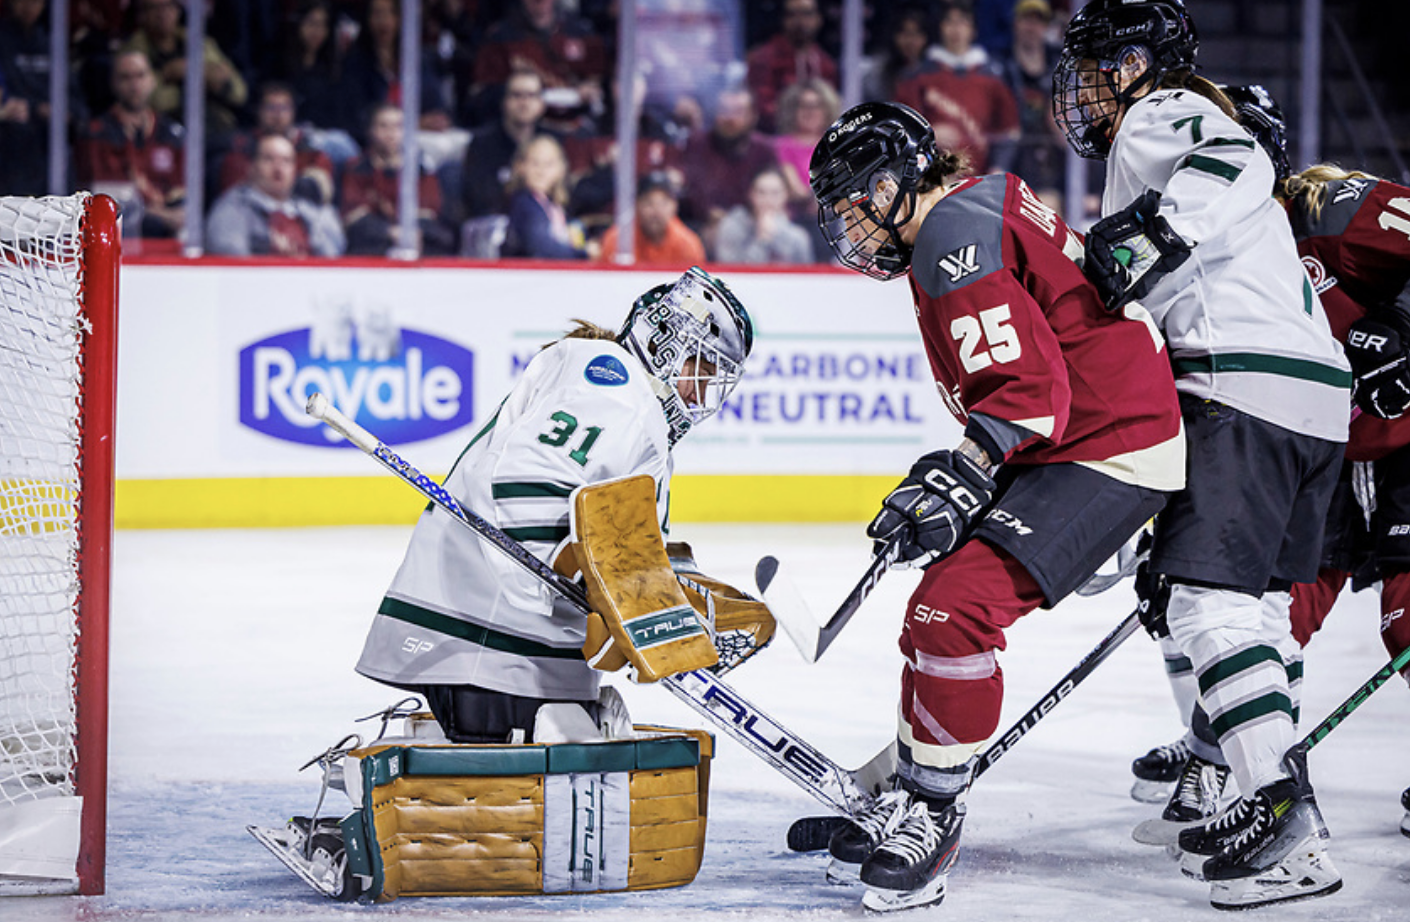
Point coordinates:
[[303, 127]]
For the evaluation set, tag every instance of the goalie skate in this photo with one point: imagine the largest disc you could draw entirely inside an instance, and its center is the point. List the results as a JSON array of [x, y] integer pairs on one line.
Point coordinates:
[[1405, 820], [321, 863]]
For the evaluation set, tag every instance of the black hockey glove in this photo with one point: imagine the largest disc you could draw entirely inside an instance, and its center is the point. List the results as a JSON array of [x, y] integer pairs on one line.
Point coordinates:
[[1380, 373], [933, 508], [1128, 252], [1153, 598]]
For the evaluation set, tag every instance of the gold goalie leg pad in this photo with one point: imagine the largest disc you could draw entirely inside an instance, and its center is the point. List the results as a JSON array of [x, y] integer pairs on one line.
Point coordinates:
[[630, 585], [451, 820]]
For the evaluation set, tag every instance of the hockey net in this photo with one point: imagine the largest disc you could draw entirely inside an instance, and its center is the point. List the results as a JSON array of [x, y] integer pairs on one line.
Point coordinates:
[[58, 293]]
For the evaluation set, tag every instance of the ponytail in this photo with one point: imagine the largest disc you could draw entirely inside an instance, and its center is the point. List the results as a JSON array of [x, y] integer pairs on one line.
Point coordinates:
[[945, 166], [1311, 185]]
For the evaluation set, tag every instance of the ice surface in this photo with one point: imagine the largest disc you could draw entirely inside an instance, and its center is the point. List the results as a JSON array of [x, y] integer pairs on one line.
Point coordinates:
[[232, 666]]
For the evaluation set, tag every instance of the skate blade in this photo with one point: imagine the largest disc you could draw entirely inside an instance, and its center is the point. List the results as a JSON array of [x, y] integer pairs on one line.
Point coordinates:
[[842, 874], [282, 844], [1160, 832], [1151, 792], [1191, 865], [1405, 826], [877, 900], [1300, 877]]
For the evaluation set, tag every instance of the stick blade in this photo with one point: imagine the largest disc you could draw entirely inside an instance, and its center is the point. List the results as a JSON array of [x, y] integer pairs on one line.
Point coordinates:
[[788, 607]]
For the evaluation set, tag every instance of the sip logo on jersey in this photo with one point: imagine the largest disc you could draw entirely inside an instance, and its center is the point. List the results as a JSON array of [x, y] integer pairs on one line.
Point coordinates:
[[402, 384], [606, 370], [961, 262]]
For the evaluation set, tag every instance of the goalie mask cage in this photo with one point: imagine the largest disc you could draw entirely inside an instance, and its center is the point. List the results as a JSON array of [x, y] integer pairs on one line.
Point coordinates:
[[58, 355]]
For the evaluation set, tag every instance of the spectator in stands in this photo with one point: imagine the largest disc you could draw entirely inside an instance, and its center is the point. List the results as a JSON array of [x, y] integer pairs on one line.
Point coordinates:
[[804, 111], [312, 66], [660, 237], [562, 48], [489, 158], [793, 54], [161, 36], [761, 231], [538, 225], [275, 114], [24, 98], [969, 106], [1028, 70], [719, 164], [906, 55], [371, 191], [262, 217], [372, 71], [136, 154]]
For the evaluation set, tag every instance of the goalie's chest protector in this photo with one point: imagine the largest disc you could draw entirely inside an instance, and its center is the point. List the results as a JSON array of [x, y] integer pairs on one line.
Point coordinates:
[[459, 611], [1241, 318]]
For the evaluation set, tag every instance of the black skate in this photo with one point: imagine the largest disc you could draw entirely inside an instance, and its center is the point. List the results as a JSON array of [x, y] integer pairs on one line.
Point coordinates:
[[314, 850], [909, 867], [854, 842], [1195, 799], [1157, 771], [1405, 820]]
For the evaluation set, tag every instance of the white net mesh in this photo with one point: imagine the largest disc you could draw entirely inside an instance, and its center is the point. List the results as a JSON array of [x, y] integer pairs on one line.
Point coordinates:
[[41, 330]]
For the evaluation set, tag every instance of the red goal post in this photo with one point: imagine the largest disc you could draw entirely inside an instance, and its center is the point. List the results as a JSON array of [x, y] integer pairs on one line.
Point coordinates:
[[59, 259]]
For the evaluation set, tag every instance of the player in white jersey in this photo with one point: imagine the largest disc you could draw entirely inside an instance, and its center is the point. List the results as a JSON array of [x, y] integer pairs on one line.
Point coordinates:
[[1191, 232], [485, 642]]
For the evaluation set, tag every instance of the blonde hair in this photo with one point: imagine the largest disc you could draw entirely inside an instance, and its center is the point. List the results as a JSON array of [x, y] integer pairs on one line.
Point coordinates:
[[1311, 185], [559, 193], [1187, 80], [788, 103], [584, 329]]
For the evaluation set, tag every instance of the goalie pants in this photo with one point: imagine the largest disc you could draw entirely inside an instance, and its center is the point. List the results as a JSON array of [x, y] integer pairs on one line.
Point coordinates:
[[1050, 529], [470, 714]]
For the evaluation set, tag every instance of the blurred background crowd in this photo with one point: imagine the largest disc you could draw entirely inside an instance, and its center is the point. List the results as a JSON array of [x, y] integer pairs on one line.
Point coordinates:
[[303, 128]]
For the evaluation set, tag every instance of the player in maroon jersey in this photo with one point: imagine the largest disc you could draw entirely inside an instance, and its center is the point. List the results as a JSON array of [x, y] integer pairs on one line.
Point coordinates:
[[1072, 441]]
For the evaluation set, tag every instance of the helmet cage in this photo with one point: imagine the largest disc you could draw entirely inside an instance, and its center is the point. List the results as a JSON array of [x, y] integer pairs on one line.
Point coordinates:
[[693, 337]]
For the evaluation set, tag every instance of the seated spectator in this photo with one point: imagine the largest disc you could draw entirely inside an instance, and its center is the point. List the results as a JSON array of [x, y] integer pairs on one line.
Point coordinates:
[[489, 157], [275, 114], [538, 225], [792, 55], [564, 50], [660, 237], [804, 111], [906, 55], [136, 154], [718, 164], [24, 98], [372, 71], [262, 217], [371, 191], [969, 106], [761, 231], [1041, 158], [161, 36], [310, 64]]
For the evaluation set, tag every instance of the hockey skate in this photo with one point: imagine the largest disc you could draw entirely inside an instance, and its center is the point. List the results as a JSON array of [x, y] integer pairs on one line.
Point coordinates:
[[908, 868], [854, 842], [1405, 820], [1195, 799], [1157, 771], [315, 852]]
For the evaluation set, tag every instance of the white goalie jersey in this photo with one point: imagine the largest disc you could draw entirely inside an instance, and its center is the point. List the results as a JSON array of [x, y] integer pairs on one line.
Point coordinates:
[[460, 611], [1242, 321]]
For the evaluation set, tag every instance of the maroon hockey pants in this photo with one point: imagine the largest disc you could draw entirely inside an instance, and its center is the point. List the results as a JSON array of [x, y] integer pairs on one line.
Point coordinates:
[[951, 686]]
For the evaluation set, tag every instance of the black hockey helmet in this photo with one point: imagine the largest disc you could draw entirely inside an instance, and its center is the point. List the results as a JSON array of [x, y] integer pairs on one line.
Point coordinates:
[[1262, 117], [1108, 43], [864, 174]]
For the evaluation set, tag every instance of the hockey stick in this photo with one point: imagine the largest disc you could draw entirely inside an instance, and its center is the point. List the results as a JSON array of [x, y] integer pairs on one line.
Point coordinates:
[[792, 612], [1342, 711], [842, 790], [811, 833]]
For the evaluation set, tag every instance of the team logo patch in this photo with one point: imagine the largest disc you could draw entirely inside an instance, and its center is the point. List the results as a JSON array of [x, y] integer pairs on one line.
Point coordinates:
[[1351, 189], [606, 370], [961, 262], [1321, 279]]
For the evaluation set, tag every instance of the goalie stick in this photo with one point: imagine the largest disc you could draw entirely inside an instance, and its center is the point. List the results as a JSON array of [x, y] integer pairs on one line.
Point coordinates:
[[811, 833], [840, 789]]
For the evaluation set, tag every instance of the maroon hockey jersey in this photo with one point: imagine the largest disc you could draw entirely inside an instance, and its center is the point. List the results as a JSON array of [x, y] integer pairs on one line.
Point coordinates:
[[1022, 348], [1357, 252]]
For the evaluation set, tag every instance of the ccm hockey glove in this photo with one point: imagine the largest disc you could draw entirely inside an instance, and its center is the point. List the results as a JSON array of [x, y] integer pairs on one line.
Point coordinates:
[[1380, 374], [933, 508], [1131, 250]]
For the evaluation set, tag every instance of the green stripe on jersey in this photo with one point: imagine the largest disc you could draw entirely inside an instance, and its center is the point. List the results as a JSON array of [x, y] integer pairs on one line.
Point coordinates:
[[1249, 711], [1231, 142], [1212, 166], [550, 533], [529, 490], [1242, 661], [1304, 369], [471, 633]]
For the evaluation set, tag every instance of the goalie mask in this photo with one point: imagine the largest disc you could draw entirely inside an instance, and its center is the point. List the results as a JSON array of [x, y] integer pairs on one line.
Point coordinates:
[[1262, 117], [1115, 52], [864, 174], [693, 336]]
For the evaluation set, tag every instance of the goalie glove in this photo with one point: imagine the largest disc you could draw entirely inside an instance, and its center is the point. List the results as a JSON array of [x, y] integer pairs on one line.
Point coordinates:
[[1380, 373], [1130, 251], [933, 508]]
